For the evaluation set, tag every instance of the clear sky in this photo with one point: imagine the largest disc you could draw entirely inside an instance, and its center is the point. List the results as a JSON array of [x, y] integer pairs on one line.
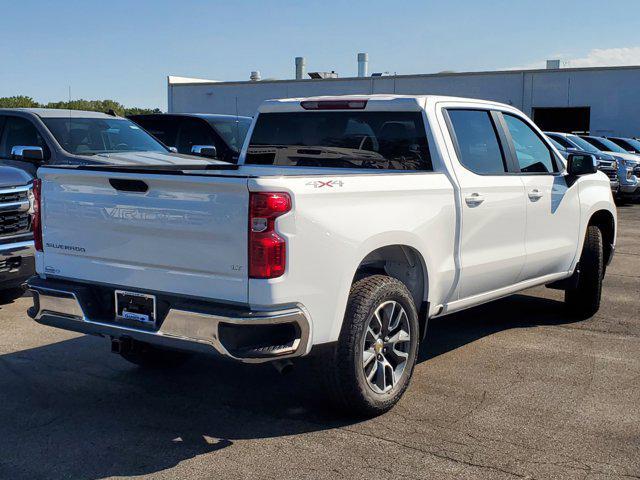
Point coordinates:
[[123, 50]]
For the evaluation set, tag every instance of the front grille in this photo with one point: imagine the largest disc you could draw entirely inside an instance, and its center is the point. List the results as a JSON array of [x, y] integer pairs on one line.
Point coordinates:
[[15, 218], [16, 196], [10, 264], [14, 223], [612, 174]]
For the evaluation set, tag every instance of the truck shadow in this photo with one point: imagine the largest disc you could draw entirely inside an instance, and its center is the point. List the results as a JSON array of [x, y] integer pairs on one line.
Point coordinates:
[[11, 295], [71, 409], [517, 311]]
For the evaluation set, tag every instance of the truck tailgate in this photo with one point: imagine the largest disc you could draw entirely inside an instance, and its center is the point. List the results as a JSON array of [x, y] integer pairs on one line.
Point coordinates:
[[184, 234]]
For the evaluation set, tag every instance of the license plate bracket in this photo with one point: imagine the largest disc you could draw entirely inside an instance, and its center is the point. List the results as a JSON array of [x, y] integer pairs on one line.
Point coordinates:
[[135, 309]]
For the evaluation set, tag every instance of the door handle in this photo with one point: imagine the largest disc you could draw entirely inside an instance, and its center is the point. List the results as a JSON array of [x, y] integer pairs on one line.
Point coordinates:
[[474, 199], [535, 195]]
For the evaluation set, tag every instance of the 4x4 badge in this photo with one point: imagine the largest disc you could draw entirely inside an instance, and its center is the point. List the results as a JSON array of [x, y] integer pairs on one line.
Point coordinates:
[[322, 183]]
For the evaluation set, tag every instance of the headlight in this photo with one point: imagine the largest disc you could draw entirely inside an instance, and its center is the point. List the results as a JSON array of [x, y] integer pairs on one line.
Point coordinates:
[[627, 163]]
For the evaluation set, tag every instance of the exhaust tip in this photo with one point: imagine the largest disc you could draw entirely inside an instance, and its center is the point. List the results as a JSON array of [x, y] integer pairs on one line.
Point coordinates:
[[284, 367]]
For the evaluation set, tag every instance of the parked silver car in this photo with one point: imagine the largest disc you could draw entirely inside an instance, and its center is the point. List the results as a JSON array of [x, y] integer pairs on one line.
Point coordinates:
[[629, 162], [568, 143]]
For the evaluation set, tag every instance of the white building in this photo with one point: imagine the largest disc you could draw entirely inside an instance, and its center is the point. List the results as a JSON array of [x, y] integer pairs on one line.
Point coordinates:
[[602, 100]]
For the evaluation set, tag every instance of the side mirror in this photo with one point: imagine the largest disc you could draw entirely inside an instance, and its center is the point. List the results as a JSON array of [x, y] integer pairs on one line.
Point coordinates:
[[31, 154], [581, 164], [173, 149], [208, 151]]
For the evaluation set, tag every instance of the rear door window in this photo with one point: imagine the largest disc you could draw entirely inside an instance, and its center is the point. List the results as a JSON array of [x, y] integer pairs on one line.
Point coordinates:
[[372, 140], [477, 141]]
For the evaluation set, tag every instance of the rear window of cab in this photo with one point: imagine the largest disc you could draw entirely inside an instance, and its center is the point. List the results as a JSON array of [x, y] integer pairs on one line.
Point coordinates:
[[347, 139]]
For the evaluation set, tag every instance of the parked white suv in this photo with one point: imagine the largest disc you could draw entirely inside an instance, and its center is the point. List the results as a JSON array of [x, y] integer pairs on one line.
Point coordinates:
[[349, 222]]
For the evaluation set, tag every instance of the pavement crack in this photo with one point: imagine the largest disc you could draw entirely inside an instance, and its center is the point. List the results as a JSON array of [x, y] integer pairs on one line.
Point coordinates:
[[442, 456]]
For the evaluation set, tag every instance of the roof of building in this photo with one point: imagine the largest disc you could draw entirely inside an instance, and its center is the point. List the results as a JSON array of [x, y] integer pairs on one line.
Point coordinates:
[[202, 82]]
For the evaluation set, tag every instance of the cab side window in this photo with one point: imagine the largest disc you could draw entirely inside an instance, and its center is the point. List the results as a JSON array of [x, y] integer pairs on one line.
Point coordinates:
[[477, 141], [19, 131], [534, 156]]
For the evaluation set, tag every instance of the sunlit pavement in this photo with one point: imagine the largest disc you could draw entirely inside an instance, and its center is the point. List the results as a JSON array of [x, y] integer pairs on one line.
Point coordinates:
[[510, 389]]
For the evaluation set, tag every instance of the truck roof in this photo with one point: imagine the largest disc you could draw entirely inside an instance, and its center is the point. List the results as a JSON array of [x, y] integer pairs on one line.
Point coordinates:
[[377, 102], [205, 116], [57, 113]]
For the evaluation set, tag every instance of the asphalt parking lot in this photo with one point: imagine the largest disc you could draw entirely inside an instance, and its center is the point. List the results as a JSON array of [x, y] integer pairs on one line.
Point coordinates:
[[510, 389]]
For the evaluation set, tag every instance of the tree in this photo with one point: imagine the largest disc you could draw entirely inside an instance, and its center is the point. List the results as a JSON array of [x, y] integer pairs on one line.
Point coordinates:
[[80, 104], [140, 111], [19, 101]]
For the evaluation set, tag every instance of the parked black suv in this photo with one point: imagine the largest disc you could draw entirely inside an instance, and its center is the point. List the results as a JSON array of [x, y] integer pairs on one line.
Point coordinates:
[[214, 136]]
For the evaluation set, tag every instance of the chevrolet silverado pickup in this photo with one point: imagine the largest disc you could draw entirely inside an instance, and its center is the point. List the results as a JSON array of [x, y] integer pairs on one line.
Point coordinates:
[[347, 224], [16, 237]]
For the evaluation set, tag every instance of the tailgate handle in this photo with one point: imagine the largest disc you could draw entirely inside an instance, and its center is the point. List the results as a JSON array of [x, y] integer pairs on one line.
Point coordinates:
[[129, 185]]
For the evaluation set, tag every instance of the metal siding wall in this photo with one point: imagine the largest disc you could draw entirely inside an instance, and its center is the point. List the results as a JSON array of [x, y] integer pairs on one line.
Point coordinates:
[[614, 98], [613, 95]]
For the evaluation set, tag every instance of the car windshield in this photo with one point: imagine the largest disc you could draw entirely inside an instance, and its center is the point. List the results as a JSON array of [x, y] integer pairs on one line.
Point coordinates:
[[582, 144], [233, 131], [377, 140], [557, 144], [606, 145], [91, 136], [633, 144]]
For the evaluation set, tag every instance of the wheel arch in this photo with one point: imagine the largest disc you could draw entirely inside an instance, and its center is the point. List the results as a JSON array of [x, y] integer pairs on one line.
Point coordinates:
[[406, 264], [605, 221]]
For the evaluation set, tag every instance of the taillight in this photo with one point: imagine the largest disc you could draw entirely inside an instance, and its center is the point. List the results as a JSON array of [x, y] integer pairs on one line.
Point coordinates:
[[36, 218], [267, 249]]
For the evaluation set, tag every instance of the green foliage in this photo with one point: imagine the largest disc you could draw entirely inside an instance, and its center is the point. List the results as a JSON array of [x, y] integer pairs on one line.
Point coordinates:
[[19, 101], [91, 105]]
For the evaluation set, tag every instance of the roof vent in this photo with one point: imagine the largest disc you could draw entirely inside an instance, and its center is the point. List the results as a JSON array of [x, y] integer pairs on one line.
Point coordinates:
[[553, 64], [323, 75], [363, 64], [301, 66]]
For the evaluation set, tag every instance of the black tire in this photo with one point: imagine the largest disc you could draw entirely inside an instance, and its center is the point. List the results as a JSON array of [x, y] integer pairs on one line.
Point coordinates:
[[150, 357], [341, 369], [583, 301]]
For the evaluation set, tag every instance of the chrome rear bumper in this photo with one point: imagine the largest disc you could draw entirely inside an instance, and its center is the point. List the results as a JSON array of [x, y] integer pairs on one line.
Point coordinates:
[[180, 329]]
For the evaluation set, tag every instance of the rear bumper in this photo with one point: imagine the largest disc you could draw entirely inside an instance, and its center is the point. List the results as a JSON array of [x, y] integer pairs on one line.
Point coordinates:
[[66, 305]]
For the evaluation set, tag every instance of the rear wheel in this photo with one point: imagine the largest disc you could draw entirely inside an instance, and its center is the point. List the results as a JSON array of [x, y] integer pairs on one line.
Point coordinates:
[[584, 300], [370, 367]]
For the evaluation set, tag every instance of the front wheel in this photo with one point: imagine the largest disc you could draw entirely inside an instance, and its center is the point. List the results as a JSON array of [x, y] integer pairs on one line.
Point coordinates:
[[583, 300], [370, 367]]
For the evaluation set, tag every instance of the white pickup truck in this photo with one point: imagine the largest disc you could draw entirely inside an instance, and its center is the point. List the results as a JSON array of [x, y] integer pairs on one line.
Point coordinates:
[[348, 223]]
